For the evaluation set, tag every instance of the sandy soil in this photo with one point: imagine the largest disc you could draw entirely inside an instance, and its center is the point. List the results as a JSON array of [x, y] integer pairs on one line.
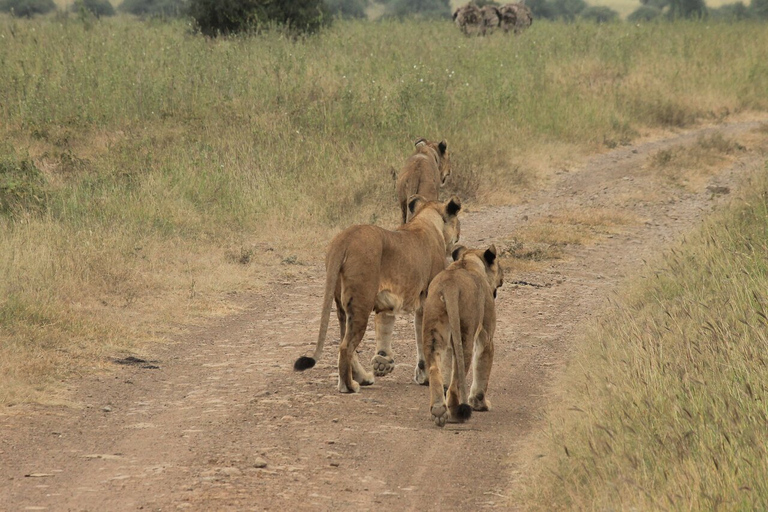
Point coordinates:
[[218, 420]]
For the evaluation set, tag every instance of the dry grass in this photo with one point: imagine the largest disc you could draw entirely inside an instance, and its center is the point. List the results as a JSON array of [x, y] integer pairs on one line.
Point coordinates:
[[168, 170], [664, 404], [546, 239], [689, 167]]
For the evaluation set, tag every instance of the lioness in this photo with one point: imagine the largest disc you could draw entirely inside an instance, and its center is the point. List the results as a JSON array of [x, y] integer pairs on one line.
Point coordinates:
[[460, 308], [423, 173], [369, 268]]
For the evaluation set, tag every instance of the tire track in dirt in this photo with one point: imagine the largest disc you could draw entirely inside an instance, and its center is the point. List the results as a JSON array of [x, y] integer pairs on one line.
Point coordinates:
[[225, 424]]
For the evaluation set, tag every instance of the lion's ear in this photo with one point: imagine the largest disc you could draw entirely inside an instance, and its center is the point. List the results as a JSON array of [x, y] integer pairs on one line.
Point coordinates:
[[414, 202], [490, 255], [457, 252], [453, 206], [420, 142], [442, 147]]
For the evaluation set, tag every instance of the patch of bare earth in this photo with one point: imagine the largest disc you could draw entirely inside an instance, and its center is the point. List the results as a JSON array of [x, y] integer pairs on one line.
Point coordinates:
[[220, 421]]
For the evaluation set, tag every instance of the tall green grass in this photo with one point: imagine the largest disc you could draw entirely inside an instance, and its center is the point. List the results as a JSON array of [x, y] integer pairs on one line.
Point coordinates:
[[667, 404], [161, 153]]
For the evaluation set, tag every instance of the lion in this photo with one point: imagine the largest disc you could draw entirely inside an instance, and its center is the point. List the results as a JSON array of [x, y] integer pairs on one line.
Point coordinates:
[[369, 268], [468, 18], [459, 319], [423, 173]]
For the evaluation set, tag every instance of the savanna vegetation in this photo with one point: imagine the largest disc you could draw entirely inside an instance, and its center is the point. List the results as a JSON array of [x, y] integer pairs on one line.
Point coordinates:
[[147, 172], [664, 405]]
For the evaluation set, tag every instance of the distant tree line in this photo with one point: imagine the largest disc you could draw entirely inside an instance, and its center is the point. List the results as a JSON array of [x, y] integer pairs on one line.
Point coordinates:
[[215, 17]]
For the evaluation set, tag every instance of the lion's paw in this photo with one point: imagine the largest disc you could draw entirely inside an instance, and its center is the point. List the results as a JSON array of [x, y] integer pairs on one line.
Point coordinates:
[[420, 375], [479, 402], [382, 364], [439, 414], [344, 389]]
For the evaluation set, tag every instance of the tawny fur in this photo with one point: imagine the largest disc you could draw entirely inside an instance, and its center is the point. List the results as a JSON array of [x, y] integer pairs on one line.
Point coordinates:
[[458, 328], [369, 268], [423, 173]]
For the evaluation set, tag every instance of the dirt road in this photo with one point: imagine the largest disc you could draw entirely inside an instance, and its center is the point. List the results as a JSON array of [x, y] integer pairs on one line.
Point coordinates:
[[219, 421]]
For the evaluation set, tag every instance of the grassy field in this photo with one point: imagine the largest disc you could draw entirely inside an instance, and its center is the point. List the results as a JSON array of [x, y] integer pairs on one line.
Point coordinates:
[[148, 173], [666, 398]]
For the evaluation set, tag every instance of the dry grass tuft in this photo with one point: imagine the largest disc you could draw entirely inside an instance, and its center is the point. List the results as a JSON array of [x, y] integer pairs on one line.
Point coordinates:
[[546, 239], [689, 167]]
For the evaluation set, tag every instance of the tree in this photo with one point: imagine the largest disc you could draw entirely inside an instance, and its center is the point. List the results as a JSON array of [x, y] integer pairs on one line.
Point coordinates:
[[568, 10], [644, 13], [422, 8], [98, 8], [687, 9], [541, 9], [599, 14], [347, 8], [223, 17], [731, 12], [759, 9], [154, 8], [27, 8]]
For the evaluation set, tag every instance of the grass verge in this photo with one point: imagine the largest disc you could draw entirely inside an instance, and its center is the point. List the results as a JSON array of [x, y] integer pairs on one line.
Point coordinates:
[[666, 400]]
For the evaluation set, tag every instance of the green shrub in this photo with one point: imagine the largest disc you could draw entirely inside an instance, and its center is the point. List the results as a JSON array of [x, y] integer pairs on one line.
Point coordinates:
[[27, 8], [599, 14], [154, 8], [347, 8], [687, 9], [731, 12], [222, 17], [22, 186], [759, 9], [644, 13], [420, 8], [98, 8], [541, 9]]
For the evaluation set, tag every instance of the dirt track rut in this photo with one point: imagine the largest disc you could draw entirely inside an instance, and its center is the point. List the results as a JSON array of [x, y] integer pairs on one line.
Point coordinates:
[[224, 423]]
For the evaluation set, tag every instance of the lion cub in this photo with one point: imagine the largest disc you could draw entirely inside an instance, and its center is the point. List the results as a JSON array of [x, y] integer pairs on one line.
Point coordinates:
[[459, 316], [369, 268], [423, 173]]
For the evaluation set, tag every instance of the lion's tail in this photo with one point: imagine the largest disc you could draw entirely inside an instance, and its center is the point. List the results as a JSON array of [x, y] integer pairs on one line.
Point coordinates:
[[452, 308], [336, 256]]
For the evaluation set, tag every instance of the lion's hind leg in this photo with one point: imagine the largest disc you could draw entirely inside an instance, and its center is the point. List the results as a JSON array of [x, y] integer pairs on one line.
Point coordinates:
[[384, 361], [481, 371], [435, 346], [349, 365]]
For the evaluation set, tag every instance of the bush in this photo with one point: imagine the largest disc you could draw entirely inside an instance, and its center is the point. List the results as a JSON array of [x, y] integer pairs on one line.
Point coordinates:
[[568, 10], [759, 9], [644, 13], [222, 17], [98, 8], [541, 9], [731, 12], [687, 9], [420, 8], [346, 8], [22, 186], [599, 14], [27, 8], [154, 8]]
